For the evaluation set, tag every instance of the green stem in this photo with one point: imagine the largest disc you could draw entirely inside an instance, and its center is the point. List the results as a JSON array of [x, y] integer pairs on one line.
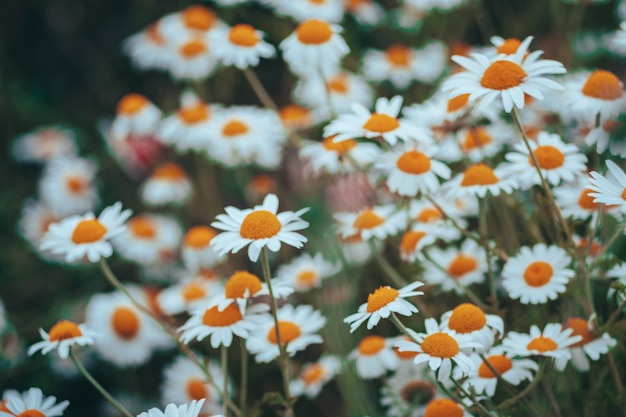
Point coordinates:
[[396, 321], [224, 358], [243, 393], [259, 89], [508, 403], [483, 233]]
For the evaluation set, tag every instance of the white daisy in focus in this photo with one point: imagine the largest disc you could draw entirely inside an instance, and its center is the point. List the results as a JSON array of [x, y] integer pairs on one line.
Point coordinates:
[[594, 94], [259, 227], [377, 221], [171, 410], [469, 319], [149, 239], [168, 184], [334, 157], [590, 346], [609, 190], [62, 336], [478, 180], [314, 376], [306, 272], [374, 356], [196, 249], [31, 403], [241, 45], [45, 144], [135, 115], [243, 286], [67, 185], [80, 236]]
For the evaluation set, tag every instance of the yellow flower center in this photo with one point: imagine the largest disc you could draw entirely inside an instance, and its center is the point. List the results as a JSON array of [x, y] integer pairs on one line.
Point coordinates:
[[443, 407], [542, 344], [170, 171], [63, 330], [76, 185], [462, 265], [509, 46], [196, 389], [502, 75], [368, 220], [243, 35], [381, 123], [380, 298], [341, 147], [586, 201], [476, 137], [467, 318], [193, 114], [413, 162], [548, 157], [88, 231], [312, 373], [457, 102], [142, 227], [314, 32], [260, 224], [234, 128], [293, 115], [288, 330], [479, 174], [308, 277], [193, 48], [199, 237], [410, 240], [498, 362], [429, 214], [241, 281], [31, 413], [580, 327], [131, 104], [538, 274], [338, 84], [371, 345], [199, 18], [193, 291], [399, 55], [125, 323], [214, 318], [603, 85], [440, 345]]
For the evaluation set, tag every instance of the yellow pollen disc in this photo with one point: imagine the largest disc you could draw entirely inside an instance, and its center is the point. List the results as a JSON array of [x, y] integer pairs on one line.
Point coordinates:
[[479, 174], [467, 318], [429, 215], [308, 277], [196, 389], [399, 55], [538, 274], [154, 35], [368, 219], [312, 373], [260, 224], [88, 231], [476, 138], [413, 162], [381, 123], [440, 345], [580, 327], [131, 104], [170, 171], [548, 157], [502, 75], [76, 185], [457, 102], [193, 114], [214, 318], [410, 240], [371, 345], [586, 201], [542, 344], [509, 46], [142, 227], [31, 413], [603, 85], [193, 48], [288, 330], [418, 393], [192, 292], [314, 32], [63, 330], [199, 18], [380, 298], [498, 362], [125, 323], [241, 281], [234, 128], [461, 265], [341, 148], [338, 84], [443, 407], [243, 35], [199, 237]]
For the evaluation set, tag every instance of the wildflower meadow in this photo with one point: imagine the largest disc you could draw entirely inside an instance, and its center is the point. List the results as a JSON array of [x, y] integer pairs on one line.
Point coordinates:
[[298, 208]]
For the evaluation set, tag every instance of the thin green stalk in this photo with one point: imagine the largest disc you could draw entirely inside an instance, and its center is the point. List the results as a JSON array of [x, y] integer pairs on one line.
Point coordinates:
[[259, 89], [617, 379], [224, 358], [243, 393], [524, 392], [483, 233], [396, 321]]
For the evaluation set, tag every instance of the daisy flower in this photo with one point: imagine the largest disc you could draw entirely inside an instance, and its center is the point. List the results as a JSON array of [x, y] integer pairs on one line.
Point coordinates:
[[186, 410], [259, 227], [537, 274], [329, 10], [507, 77], [439, 348], [67, 185], [196, 249], [505, 46], [374, 356], [45, 144], [383, 122], [469, 319], [190, 126], [553, 342], [149, 239], [414, 241], [63, 336], [148, 48], [382, 302], [35, 218], [242, 286], [241, 45], [423, 213], [478, 180], [377, 221], [356, 250], [295, 117], [297, 327], [306, 272], [135, 115], [480, 142], [188, 295], [315, 48], [575, 201], [444, 407], [608, 136], [192, 58], [334, 157], [590, 94], [590, 345], [407, 392], [31, 403], [193, 20], [314, 376], [365, 12], [610, 190], [558, 161], [80, 236]]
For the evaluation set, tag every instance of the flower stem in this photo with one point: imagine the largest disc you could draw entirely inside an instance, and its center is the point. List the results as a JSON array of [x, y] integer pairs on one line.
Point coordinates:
[[224, 358], [482, 226], [243, 393]]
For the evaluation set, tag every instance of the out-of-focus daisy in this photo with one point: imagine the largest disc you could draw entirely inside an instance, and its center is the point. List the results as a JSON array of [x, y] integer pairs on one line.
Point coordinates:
[[590, 345], [377, 221], [553, 342], [401, 64], [610, 135], [471, 320], [184, 382], [335, 157], [31, 403], [616, 41], [196, 248], [45, 144], [241, 45], [171, 410], [301, 10], [188, 295], [314, 49], [190, 126], [424, 214], [537, 274], [295, 117], [297, 327], [356, 250], [478, 180], [63, 336], [192, 59], [242, 286], [149, 239], [588, 95], [440, 347], [167, 184], [574, 199], [480, 142], [505, 46], [79, 236], [383, 122], [408, 391], [611, 189], [67, 185], [314, 376], [148, 48], [35, 218], [258, 227], [558, 161], [365, 12], [374, 356], [135, 115], [414, 241], [507, 77], [306, 272], [382, 302], [193, 20]]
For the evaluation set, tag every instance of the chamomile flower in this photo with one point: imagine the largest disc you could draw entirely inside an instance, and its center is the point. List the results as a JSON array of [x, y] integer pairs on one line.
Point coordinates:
[[297, 329], [439, 348], [382, 302], [414, 241], [314, 376], [357, 250], [608, 136], [67, 185], [444, 407], [188, 295], [306, 272], [374, 356], [259, 227], [135, 115], [314, 48], [171, 410], [190, 126], [478, 180], [148, 48], [590, 94], [35, 218], [365, 12], [407, 392], [335, 157], [31, 403], [507, 77], [62, 336], [243, 286], [505, 46], [553, 342], [480, 142], [192, 59], [295, 117], [469, 319], [168, 184], [45, 144], [377, 221], [196, 249], [424, 214], [300, 10], [537, 274], [149, 239], [241, 45], [383, 122], [611, 189], [575, 201], [591, 345], [80, 236], [193, 20]]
